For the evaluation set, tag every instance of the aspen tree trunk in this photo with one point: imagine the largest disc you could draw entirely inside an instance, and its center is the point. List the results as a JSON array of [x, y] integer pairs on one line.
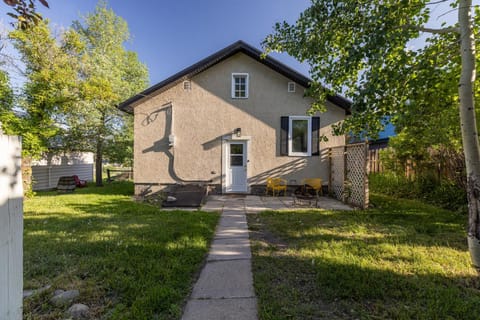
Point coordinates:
[[469, 127]]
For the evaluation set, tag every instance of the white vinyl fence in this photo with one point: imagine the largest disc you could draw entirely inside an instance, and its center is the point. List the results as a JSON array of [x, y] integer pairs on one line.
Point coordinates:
[[11, 229], [46, 177]]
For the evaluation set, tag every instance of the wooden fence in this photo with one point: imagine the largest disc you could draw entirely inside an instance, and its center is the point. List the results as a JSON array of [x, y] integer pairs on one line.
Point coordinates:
[[11, 229], [374, 163], [119, 174], [441, 165]]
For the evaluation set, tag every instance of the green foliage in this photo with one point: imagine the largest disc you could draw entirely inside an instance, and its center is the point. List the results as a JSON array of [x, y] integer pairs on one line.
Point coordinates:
[[128, 260], [415, 171], [357, 45], [402, 259], [119, 149], [110, 74], [362, 48], [430, 117], [6, 102], [403, 158], [429, 121], [443, 193], [6, 94], [73, 84], [50, 89], [411, 157]]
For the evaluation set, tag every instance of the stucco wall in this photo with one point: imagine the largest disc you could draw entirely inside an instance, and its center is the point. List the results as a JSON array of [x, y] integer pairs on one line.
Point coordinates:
[[206, 113]]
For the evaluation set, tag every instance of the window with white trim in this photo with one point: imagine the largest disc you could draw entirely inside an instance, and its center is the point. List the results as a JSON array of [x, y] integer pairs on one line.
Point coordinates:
[[240, 85], [291, 87], [299, 136], [187, 85]]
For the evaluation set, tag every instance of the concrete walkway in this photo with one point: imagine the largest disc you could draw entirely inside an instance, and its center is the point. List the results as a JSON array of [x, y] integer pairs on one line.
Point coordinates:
[[224, 289]]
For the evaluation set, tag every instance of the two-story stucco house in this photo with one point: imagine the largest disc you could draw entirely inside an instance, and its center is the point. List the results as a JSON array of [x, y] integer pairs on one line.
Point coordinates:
[[231, 120]]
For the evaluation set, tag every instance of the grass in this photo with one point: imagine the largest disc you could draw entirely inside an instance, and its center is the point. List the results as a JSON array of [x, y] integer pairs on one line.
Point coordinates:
[[128, 260], [400, 260]]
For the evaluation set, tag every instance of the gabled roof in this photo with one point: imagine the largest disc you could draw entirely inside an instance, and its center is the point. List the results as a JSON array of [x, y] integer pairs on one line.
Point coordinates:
[[220, 56]]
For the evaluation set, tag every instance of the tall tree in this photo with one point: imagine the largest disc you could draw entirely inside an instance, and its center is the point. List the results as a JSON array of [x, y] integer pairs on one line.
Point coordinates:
[[363, 46], [429, 124], [110, 74], [50, 87]]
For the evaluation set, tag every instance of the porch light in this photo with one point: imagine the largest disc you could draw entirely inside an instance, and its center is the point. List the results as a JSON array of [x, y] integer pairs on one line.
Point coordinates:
[[238, 132]]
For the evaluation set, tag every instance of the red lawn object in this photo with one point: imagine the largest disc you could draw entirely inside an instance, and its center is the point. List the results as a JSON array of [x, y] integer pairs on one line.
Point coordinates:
[[79, 183]]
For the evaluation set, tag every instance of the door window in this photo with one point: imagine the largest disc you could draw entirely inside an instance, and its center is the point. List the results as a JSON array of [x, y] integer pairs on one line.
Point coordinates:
[[236, 155]]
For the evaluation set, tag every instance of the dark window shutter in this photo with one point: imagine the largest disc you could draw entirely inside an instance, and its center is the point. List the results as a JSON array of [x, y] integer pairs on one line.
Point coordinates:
[[315, 136], [284, 136]]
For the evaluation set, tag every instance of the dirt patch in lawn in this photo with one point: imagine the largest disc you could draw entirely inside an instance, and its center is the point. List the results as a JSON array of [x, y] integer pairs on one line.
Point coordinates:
[[262, 236], [273, 277]]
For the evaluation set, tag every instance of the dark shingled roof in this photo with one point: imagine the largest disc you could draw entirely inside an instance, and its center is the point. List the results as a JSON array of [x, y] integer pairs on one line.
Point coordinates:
[[221, 55]]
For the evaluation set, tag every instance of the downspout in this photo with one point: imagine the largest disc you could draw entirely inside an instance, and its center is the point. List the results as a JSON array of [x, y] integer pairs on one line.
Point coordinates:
[[171, 154]]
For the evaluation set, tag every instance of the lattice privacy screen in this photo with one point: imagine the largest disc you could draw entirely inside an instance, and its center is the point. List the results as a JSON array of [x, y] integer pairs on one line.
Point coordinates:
[[337, 172], [348, 174]]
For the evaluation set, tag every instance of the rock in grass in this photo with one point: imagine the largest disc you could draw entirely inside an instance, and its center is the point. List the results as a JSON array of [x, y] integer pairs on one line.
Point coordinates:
[[57, 292], [29, 293], [65, 297], [78, 311]]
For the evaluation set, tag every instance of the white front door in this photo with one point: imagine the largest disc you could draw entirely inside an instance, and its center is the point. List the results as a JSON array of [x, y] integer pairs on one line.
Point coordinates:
[[236, 163]]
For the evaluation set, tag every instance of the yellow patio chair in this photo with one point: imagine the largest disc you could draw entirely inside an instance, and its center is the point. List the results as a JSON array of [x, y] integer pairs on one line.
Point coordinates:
[[313, 183], [275, 185]]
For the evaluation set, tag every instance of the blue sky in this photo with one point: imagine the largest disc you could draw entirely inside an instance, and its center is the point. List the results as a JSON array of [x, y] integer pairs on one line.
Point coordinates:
[[169, 35]]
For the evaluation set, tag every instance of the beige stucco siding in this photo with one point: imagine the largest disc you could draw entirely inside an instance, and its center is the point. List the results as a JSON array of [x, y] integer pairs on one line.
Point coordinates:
[[206, 113]]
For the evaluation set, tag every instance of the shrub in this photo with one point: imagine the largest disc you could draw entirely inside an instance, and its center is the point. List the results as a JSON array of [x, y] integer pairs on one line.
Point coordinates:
[[445, 194]]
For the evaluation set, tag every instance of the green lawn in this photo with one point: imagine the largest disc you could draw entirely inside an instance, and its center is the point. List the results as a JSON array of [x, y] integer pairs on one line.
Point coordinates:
[[400, 260], [129, 260]]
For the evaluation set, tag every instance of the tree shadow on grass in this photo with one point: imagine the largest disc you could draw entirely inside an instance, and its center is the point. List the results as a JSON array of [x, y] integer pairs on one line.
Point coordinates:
[[289, 287], [109, 188], [141, 259], [419, 226], [396, 261]]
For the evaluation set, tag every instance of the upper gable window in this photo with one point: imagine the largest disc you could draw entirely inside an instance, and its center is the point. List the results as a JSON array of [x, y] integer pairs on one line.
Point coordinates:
[[240, 85], [291, 87]]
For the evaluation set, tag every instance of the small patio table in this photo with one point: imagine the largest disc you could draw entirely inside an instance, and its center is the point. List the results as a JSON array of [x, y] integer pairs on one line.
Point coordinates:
[[301, 196]]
